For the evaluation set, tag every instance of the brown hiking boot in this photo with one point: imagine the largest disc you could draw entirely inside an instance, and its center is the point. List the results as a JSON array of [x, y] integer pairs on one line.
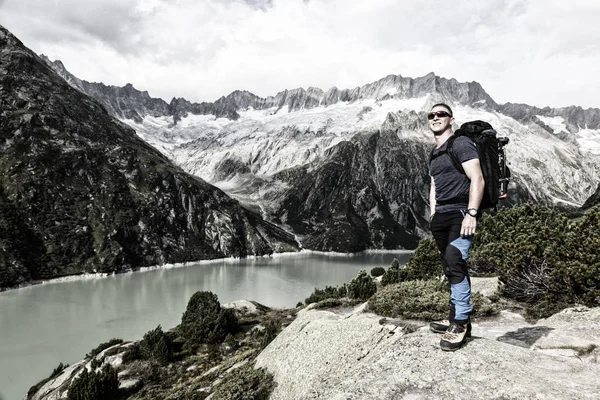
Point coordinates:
[[442, 327], [454, 337]]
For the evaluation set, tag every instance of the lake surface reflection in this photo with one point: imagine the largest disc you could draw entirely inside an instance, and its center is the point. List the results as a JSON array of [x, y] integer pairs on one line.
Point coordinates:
[[43, 325]]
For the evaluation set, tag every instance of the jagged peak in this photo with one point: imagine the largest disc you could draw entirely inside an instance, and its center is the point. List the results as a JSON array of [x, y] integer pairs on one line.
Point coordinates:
[[45, 58]]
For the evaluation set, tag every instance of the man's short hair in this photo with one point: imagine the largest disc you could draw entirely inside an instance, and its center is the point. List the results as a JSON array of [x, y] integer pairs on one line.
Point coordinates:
[[446, 106]]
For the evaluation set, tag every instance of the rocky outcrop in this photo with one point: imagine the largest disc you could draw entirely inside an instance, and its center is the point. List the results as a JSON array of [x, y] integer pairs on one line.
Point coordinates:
[[80, 192], [352, 354], [121, 102], [594, 200], [194, 374], [575, 116]]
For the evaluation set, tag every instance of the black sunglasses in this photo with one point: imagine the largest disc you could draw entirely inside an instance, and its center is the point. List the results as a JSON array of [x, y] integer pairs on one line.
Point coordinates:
[[440, 114]]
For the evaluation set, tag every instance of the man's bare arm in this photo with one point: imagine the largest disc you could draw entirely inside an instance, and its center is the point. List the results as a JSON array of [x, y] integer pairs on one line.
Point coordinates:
[[473, 171], [432, 198]]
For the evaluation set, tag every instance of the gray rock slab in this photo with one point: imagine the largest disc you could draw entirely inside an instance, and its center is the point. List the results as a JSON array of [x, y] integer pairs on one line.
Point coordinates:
[[485, 286], [246, 307], [574, 332], [328, 355]]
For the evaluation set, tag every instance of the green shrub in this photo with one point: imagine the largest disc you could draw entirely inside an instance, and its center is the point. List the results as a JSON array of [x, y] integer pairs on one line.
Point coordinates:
[[392, 274], [95, 364], [377, 271], [230, 341], [425, 300], [578, 272], [543, 257], [60, 368], [245, 383], [205, 322], [103, 346], [156, 345], [132, 353], [362, 286], [328, 293], [92, 385], [335, 303], [35, 388], [269, 333], [520, 235], [424, 263]]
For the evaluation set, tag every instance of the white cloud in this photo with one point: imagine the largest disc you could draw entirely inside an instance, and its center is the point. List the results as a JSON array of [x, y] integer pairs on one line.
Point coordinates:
[[536, 52]]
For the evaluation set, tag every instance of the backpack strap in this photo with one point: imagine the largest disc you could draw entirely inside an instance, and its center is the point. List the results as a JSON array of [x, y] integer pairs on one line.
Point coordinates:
[[450, 151], [453, 157]]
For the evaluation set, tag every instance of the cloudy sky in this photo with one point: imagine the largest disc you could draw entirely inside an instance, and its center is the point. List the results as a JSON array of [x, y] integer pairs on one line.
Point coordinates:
[[539, 52]]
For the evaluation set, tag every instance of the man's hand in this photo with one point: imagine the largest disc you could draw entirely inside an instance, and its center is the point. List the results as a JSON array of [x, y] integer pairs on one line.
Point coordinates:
[[468, 226]]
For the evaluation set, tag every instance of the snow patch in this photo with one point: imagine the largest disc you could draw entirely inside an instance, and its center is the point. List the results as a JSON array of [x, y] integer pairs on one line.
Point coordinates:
[[589, 140], [557, 124]]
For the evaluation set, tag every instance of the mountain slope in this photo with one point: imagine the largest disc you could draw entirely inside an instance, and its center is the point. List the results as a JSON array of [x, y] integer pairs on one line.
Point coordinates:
[[594, 200], [79, 191], [363, 196]]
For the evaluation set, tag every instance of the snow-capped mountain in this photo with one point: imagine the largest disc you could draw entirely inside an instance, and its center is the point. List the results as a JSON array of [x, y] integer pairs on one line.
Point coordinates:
[[355, 159], [81, 192]]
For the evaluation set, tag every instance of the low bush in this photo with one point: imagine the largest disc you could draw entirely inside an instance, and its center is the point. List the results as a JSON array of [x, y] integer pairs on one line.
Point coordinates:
[[328, 293], [205, 321], [95, 364], [362, 286], [419, 299], [269, 333], [132, 353], [93, 385], [335, 303], [55, 372], [60, 368], [156, 345], [377, 271], [392, 274], [103, 346], [424, 263], [245, 383], [544, 257]]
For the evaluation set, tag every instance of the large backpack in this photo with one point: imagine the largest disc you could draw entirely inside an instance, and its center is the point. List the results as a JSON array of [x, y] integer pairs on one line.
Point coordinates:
[[491, 158]]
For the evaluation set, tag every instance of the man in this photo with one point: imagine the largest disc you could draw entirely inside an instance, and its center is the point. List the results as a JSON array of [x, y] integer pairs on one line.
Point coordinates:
[[454, 200]]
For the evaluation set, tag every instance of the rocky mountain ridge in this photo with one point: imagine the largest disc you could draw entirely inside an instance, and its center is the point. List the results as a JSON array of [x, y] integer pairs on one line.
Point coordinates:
[[275, 154], [593, 200], [391, 86], [81, 192]]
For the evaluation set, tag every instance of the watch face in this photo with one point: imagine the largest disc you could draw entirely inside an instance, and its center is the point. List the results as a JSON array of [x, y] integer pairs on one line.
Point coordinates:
[[472, 213]]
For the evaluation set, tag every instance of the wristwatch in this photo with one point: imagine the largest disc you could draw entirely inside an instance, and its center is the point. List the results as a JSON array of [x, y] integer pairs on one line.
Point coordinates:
[[472, 212]]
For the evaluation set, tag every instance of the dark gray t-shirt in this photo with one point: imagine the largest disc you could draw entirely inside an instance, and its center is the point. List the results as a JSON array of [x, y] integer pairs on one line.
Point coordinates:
[[449, 182]]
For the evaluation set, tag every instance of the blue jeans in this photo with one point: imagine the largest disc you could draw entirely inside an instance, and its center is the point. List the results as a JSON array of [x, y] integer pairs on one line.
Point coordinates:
[[454, 251]]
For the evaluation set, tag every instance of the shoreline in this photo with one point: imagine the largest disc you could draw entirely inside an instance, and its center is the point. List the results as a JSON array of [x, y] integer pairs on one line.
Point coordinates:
[[232, 260]]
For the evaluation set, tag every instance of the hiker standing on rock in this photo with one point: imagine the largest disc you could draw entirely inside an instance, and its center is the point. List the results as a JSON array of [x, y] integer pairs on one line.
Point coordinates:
[[454, 201]]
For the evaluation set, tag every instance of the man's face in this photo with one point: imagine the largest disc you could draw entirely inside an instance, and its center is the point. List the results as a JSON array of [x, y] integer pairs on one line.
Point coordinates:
[[440, 123]]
